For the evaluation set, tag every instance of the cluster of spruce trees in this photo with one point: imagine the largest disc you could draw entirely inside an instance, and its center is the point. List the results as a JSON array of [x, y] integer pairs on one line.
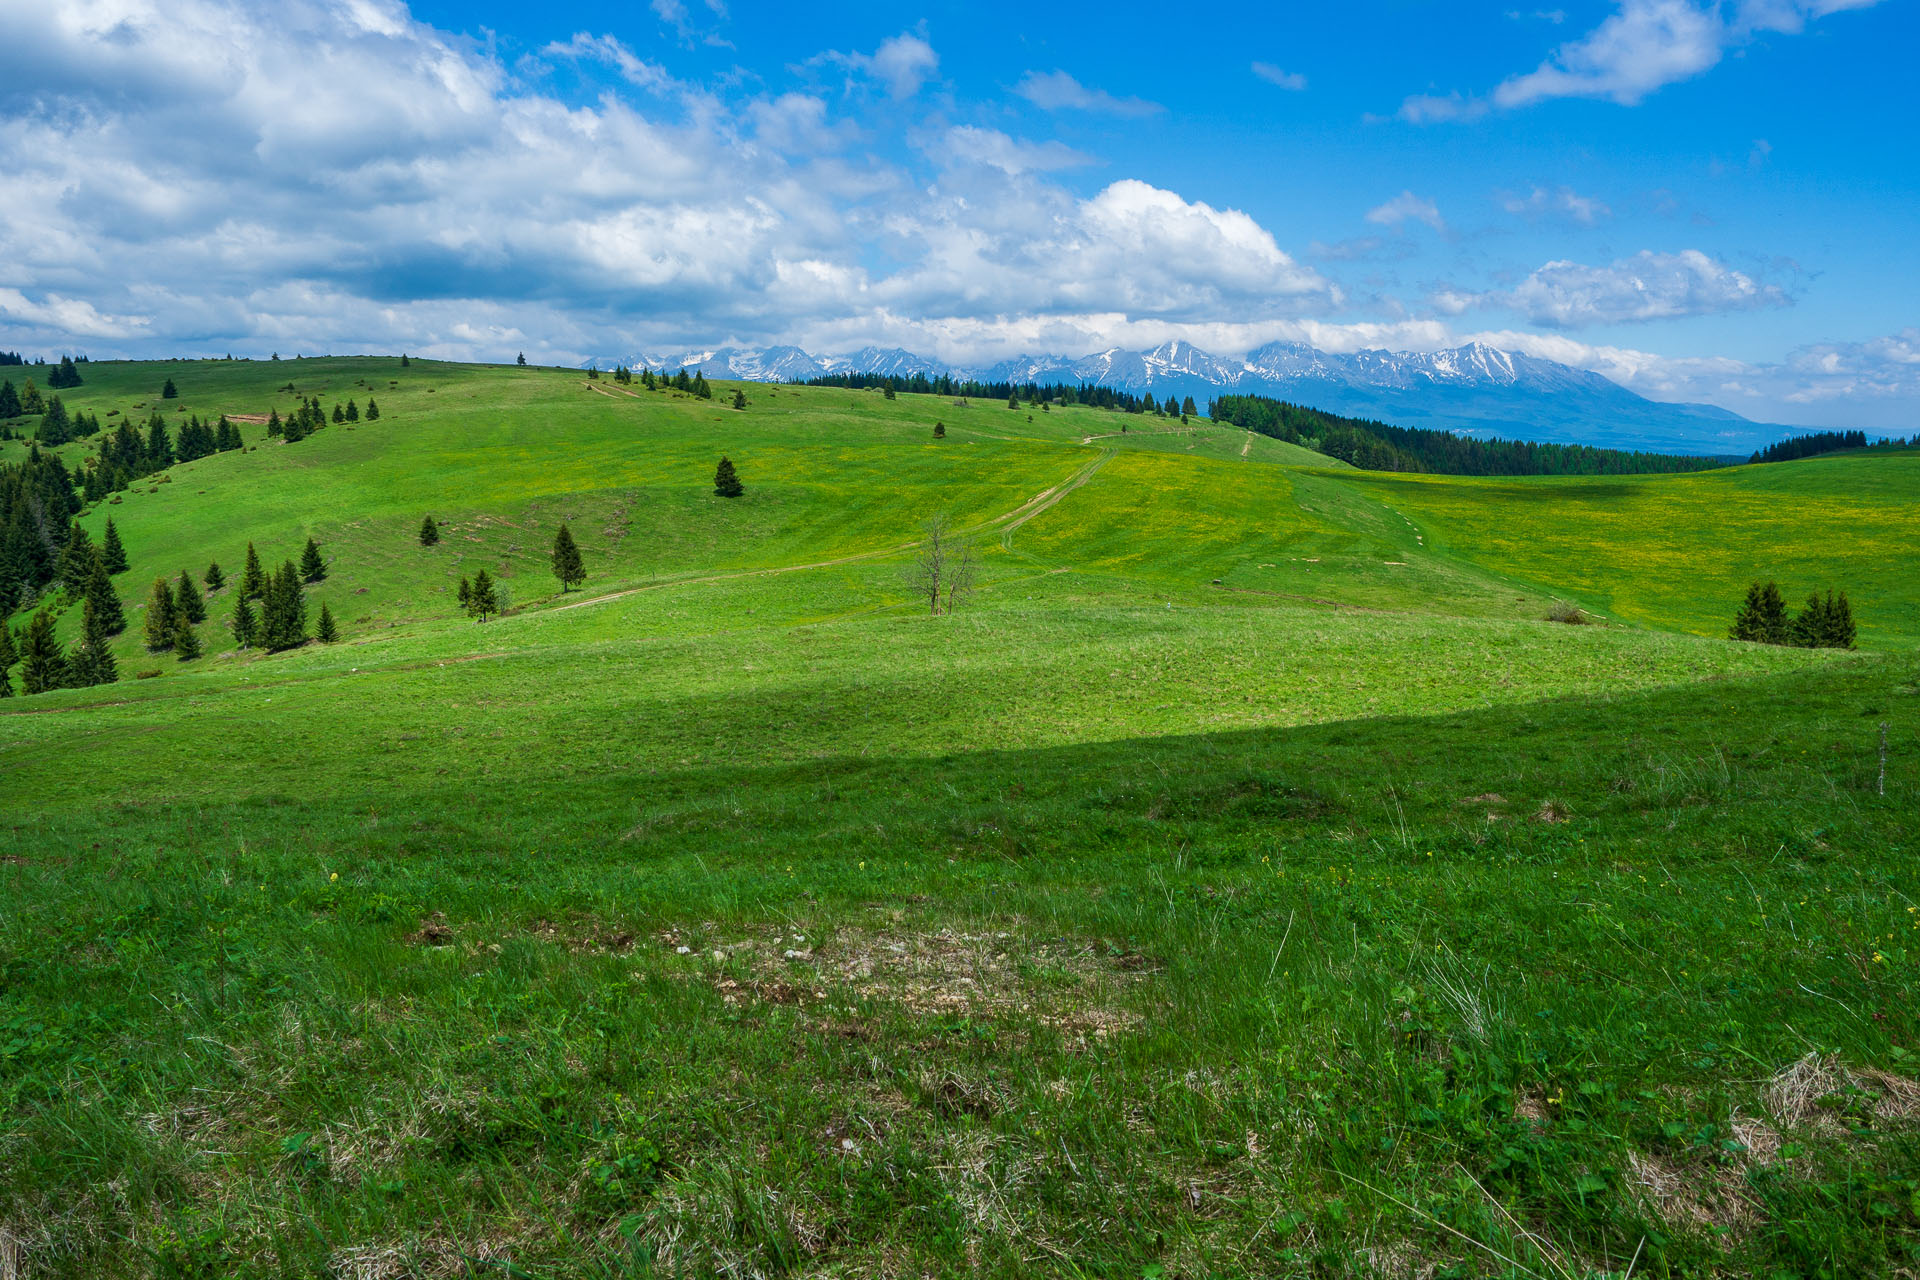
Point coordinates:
[[84, 573], [57, 426], [24, 403], [37, 507], [695, 385], [1818, 442], [1824, 624], [310, 417], [281, 620]]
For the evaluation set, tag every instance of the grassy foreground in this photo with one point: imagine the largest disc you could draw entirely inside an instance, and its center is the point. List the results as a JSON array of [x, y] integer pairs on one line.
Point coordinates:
[[732, 917]]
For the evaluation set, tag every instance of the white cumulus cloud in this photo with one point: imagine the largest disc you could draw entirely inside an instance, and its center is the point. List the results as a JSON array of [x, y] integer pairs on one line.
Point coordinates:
[[1647, 286]]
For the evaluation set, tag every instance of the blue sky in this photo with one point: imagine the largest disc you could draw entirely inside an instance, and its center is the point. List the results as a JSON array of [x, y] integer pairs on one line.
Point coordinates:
[[1705, 202]]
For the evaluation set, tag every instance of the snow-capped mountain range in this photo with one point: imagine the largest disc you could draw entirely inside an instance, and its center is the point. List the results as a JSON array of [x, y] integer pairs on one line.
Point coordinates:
[[1475, 389]]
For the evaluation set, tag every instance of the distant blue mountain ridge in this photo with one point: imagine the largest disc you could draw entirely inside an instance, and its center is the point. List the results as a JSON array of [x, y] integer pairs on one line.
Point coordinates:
[[1475, 390]]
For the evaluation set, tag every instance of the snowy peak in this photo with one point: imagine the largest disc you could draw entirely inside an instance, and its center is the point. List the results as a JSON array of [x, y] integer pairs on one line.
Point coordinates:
[[1474, 388]]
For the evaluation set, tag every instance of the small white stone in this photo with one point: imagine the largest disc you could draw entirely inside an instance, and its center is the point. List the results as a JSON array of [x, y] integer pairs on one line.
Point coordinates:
[[683, 951]]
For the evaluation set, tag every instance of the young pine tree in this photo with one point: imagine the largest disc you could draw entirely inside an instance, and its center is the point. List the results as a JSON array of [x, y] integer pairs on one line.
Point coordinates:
[[567, 565], [187, 600], [740, 398], [246, 626], [484, 602], [215, 578], [112, 552], [274, 429], [9, 651], [339, 414], [92, 662], [312, 567], [325, 631], [939, 431], [43, 663], [253, 579], [466, 595], [429, 532], [169, 392], [103, 600], [186, 644], [161, 617], [373, 409], [353, 411], [726, 481]]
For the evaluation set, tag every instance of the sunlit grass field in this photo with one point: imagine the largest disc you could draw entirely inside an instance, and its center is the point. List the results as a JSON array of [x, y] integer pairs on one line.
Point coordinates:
[[1247, 880]]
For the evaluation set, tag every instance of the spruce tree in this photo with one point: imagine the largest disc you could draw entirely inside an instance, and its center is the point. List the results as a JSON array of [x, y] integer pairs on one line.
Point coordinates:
[[567, 565], [273, 423], [339, 415], [30, 401], [1013, 402], [1841, 631], [112, 553], [76, 559], [939, 431], [324, 631], [161, 616], [403, 360], [43, 663], [373, 409], [9, 401], [429, 532], [1773, 615], [215, 578], [739, 398], [484, 602], [9, 652], [169, 392], [186, 644], [466, 595], [312, 567], [726, 481], [1747, 624], [246, 626], [187, 600], [522, 361], [93, 660], [253, 579], [353, 411], [283, 621], [103, 600]]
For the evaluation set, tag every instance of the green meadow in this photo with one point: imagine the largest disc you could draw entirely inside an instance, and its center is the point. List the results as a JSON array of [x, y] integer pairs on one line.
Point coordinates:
[[1247, 879]]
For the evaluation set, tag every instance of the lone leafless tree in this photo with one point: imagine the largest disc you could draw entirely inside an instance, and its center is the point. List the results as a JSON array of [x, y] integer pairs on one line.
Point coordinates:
[[943, 571]]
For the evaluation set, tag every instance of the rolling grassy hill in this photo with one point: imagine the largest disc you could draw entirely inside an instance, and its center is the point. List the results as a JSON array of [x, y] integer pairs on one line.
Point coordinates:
[[1247, 880]]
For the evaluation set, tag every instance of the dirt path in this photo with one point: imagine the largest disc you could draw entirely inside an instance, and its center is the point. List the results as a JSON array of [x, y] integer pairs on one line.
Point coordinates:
[[1248, 446], [1007, 522], [612, 391]]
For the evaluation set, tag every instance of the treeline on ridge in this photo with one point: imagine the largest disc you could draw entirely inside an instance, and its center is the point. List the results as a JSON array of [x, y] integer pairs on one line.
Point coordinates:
[[1818, 442], [1061, 393], [1378, 446]]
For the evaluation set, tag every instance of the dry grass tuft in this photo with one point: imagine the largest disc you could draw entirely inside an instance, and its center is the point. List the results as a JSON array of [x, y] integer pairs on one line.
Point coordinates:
[[1807, 1090], [1698, 1195], [1551, 812], [1069, 986]]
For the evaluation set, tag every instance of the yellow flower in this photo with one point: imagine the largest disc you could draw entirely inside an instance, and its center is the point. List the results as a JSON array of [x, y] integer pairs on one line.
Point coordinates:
[[333, 877]]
